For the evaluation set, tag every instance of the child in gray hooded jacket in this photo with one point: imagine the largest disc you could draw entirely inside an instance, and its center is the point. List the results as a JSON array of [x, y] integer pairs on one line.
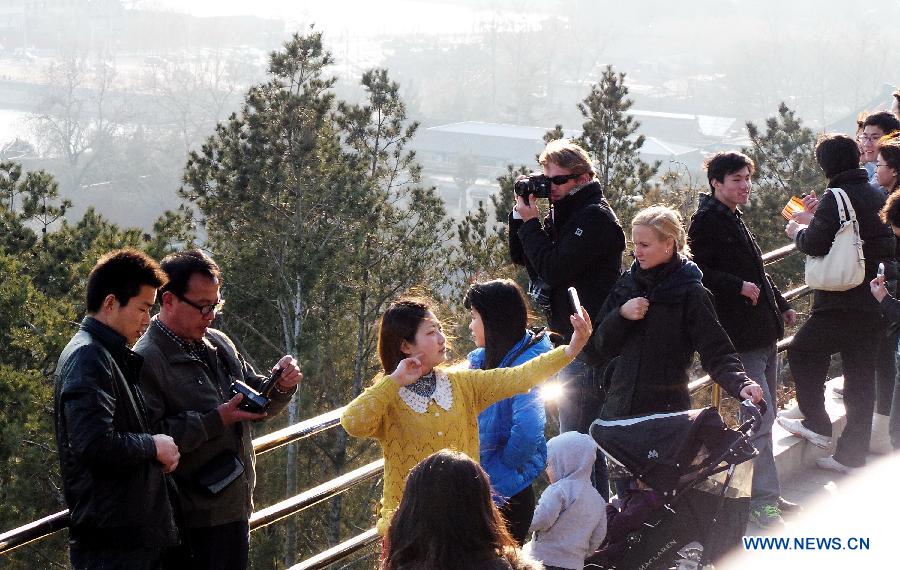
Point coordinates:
[[570, 519]]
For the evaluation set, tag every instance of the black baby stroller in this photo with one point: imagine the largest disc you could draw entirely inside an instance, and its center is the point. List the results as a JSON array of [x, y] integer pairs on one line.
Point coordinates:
[[700, 474]]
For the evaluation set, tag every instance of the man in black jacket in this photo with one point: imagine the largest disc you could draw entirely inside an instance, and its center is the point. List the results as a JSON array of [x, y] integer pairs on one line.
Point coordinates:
[[847, 322], [113, 469], [750, 307], [579, 245]]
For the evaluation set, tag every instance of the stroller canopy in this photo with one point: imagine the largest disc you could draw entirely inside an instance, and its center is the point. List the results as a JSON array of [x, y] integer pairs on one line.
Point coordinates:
[[662, 449]]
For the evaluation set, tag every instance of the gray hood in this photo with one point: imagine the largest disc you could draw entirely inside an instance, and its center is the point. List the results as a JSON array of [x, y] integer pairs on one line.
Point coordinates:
[[571, 454]]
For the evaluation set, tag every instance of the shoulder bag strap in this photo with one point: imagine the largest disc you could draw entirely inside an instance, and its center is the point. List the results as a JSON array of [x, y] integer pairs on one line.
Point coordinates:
[[846, 212]]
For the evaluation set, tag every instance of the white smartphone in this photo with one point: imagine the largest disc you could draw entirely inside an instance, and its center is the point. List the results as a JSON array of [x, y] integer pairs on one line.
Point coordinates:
[[880, 270], [574, 301]]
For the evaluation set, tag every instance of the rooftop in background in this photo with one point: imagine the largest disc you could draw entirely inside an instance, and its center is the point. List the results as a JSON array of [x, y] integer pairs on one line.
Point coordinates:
[[495, 145]]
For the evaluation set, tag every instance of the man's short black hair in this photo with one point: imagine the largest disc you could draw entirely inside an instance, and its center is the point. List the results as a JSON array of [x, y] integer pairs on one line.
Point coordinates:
[[884, 120], [721, 164], [836, 153], [180, 266], [122, 273]]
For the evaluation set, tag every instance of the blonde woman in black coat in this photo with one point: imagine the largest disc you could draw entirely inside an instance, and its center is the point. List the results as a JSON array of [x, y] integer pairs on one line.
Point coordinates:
[[656, 317]]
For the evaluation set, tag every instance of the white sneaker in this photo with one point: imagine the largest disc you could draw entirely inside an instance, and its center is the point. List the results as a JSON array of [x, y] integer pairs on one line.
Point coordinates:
[[833, 464], [796, 427], [792, 413]]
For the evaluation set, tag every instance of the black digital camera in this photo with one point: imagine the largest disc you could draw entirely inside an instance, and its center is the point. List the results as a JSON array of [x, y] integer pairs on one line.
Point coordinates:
[[534, 183], [255, 401]]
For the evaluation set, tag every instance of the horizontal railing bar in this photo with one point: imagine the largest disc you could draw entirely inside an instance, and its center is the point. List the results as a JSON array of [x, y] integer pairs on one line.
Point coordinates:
[[782, 345], [705, 381], [339, 552], [46, 526], [297, 431], [778, 254], [798, 292], [33, 531], [315, 495]]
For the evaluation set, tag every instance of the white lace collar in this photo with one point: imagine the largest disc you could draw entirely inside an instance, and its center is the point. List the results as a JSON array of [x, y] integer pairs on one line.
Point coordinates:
[[443, 395]]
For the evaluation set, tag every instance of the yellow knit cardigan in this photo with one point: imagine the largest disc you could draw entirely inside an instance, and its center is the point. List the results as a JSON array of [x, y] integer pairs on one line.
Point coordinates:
[[408, 437]]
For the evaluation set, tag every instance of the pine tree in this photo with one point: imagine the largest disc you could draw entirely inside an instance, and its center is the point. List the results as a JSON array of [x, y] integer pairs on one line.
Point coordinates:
[[609, 136], [313, 209], [784, 155]]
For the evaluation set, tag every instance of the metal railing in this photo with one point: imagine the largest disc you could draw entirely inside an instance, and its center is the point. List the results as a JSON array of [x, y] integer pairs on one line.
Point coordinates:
[[48, 525]]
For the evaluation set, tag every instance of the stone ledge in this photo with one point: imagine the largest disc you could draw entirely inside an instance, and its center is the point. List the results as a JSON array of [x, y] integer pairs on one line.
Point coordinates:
[[792, 453]]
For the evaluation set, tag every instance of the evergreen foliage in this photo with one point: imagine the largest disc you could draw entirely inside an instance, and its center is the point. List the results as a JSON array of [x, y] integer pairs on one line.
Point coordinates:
[[314, 210], [44, 263], [609, 135], [784, 154]]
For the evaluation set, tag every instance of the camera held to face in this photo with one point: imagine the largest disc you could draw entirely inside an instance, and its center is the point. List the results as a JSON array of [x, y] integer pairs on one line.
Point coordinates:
[[534, 183], [256, 402]]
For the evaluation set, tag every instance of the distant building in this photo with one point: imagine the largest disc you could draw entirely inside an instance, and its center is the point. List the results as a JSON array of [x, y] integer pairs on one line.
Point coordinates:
[[473, 154]]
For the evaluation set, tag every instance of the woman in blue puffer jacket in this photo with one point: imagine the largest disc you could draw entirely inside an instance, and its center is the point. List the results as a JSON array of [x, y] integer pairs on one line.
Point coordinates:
[[511, 431]]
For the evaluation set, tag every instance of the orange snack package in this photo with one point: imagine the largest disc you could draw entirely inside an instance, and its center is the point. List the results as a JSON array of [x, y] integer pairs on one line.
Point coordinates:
[[793, 206]]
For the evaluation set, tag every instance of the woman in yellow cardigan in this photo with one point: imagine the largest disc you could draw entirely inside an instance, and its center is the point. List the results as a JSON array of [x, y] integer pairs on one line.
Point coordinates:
[[414, 409]]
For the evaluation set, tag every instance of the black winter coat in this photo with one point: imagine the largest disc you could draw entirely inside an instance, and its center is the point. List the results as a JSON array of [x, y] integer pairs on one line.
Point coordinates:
[[652, 355], [114, 487], [581, 247], [878, 239], [727, 253]]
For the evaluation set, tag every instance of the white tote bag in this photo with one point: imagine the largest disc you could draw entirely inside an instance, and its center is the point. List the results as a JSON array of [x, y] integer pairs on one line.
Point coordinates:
[[844, 266]]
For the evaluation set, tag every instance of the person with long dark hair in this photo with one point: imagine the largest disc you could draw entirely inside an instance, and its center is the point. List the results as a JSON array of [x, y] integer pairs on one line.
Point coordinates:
[[416, 407], [511, 431], [447, 520]]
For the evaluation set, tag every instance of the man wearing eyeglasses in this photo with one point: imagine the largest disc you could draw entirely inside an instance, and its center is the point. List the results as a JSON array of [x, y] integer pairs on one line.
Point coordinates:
[[875, 126], [579, 245], [187, 376]]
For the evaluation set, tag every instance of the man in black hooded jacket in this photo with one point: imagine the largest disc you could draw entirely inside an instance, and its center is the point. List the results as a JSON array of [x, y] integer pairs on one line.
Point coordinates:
[[579, 245]]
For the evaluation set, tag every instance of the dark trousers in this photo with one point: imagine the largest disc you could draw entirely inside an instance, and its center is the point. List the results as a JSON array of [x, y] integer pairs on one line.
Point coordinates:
[[885, 372], [89, 558], [223, 547], [579, 406], [894, 422], [518, 512], [854, 335]]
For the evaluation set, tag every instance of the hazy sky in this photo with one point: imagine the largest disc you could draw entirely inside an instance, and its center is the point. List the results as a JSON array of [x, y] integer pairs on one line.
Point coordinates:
[[361, 16]]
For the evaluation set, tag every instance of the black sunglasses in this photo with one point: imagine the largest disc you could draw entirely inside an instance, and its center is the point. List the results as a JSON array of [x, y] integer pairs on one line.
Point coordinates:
[[562, 178]]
